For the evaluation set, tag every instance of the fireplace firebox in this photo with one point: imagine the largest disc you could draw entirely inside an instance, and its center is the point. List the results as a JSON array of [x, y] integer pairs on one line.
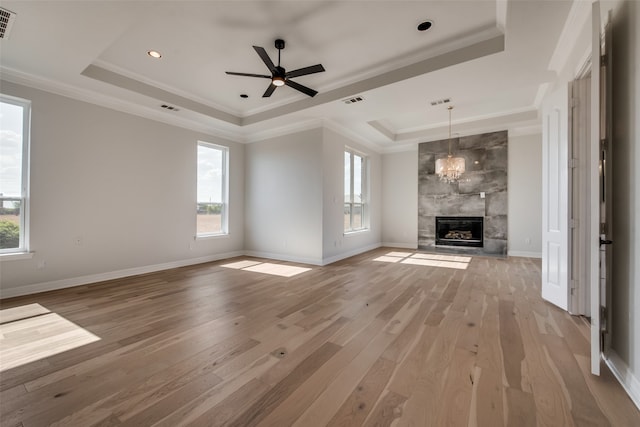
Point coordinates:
[[459, 231]]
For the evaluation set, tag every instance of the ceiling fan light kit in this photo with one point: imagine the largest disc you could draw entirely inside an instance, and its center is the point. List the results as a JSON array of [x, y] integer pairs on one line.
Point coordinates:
[[279, 75]]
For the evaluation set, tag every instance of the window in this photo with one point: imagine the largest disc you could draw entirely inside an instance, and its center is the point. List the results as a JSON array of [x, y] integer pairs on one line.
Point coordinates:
[[355, 190], [14, 174], [213, 179]]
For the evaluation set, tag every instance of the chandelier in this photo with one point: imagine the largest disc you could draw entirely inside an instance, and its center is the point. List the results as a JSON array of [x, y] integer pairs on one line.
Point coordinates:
[[450, 168]]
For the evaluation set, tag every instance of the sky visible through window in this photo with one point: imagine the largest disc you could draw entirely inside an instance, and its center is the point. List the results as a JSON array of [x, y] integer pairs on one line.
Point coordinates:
[[357, 177], [10, 149], [209, 175]]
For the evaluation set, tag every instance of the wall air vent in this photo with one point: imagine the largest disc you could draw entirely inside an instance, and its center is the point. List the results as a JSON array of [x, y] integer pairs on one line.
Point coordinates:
[[353, 99], [440, 101], [6, 22], [169, 107]]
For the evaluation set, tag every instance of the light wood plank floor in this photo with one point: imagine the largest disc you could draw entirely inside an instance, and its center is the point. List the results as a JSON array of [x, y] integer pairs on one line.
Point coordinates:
[[358, 342]]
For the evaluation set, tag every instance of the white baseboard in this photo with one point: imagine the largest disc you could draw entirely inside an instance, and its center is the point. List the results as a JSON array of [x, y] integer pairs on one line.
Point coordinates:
[[525, 254], [284, 257], [110, 275], [624, 375], [402, 245], [348, 254]]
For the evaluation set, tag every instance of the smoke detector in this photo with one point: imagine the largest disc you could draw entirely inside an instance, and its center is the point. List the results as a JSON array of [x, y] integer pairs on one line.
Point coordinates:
[[6, 22]]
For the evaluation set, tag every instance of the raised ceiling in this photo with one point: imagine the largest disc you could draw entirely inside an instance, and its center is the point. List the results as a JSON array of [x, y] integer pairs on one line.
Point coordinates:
[[489, 57]]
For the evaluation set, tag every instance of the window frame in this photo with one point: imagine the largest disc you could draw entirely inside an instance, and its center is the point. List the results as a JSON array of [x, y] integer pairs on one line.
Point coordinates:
[[24, 242], [364, 183], [224, 211]]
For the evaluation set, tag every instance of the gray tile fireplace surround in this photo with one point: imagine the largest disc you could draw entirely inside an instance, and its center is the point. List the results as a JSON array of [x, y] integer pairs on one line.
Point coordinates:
[[486, 159]]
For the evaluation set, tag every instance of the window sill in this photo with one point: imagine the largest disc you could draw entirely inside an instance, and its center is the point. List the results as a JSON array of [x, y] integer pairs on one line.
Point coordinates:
[[14, 256], [355, 232], [212, 236]]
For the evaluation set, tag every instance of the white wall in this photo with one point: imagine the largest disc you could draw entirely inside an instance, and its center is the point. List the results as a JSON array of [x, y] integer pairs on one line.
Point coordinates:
[[283, 198], [124, 185], [525, 195], [626, 195], [400, 199], [335, 244]]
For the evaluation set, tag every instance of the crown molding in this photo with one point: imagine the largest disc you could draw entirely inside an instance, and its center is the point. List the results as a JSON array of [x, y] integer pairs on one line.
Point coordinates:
[[173, 90], [288, 129], [113, 103], [579, 15]]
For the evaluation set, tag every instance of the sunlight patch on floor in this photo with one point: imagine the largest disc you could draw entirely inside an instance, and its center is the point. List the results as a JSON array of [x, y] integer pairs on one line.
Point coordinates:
[[267, 268], [430, 260], [32, 332]]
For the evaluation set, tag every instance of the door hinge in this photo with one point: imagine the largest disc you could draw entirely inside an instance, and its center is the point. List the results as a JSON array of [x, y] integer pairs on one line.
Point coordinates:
[[575, 102], [573, 163], [573, 223], [603, 319], [603, 60], [573, 286]]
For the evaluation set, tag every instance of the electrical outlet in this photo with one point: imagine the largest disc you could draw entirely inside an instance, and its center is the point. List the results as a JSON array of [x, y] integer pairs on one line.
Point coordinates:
[[41, 264], [77, 241], [527, 240]]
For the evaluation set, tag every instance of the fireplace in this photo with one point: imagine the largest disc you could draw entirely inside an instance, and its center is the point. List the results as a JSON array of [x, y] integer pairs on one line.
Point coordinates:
[[459, 231]]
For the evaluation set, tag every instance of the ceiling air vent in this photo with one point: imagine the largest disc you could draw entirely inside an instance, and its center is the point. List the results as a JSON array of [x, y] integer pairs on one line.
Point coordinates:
[[353, 99], [440, 101], [6, 22]]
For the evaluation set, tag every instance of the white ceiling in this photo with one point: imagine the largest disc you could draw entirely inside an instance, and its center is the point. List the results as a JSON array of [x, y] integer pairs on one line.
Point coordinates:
[[490, 57]]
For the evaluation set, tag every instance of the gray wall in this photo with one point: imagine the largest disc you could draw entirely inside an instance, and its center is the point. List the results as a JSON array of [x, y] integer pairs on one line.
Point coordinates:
[[294, 198], [125, 186], [335, 243], [284, 197], [525, 195], [626, 185], [486, 160]]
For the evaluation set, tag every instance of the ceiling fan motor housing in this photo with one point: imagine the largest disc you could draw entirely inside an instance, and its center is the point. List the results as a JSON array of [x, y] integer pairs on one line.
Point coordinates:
[[279, 44]]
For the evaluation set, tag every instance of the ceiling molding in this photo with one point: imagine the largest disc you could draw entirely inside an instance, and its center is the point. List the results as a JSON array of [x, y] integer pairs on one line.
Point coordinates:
[[124, 82], [113, 103], [349, 134], [143, 79], [579, 15], [474, 50], [384, 130], [288, 129]]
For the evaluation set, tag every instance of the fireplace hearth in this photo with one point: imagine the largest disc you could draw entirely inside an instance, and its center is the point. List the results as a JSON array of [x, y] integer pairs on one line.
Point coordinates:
[[459, 231]]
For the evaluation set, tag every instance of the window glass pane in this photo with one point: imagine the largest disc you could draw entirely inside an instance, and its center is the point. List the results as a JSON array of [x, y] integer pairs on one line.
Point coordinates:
[[209, 218], [357, 178], [347, 177], [10, 224], [357, 216], [11, 127], [211, 190], [210, 169], [347, 216]]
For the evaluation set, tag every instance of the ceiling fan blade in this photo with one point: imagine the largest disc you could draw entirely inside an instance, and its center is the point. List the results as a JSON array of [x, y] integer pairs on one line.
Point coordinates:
[[269, 91], [265, 58], [301, 88], [306, 70], [264, 76]]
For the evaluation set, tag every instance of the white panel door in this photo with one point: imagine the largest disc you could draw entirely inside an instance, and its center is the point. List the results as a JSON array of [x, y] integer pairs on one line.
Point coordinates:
[[555, 198]]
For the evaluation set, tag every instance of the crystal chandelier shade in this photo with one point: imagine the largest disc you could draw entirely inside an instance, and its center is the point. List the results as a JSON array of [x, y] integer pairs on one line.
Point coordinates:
[[449, 169]]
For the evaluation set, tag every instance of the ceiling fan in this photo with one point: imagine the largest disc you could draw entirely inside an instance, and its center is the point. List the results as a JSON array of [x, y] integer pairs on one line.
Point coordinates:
[[279, 76]]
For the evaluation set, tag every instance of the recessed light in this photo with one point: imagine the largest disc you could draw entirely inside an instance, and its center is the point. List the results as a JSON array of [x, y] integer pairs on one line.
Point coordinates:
[[154, 54], [425, 25], [244, 96]]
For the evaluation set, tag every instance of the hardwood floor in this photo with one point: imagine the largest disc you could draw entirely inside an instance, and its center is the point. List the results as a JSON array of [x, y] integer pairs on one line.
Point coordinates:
[[358, 342]]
